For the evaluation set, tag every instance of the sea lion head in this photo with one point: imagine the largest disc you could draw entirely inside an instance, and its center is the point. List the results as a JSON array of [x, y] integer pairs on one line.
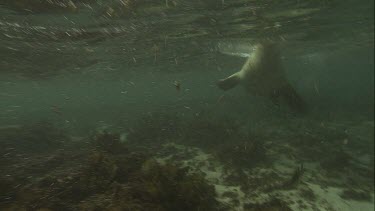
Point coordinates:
[[268, 49]]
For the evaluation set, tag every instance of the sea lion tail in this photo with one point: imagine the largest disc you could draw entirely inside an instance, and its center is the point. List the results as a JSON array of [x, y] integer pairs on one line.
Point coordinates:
[[230, 82], [293, 99]]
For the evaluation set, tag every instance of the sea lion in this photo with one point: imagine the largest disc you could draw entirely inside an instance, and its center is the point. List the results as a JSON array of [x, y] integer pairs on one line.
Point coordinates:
[[263, 75]]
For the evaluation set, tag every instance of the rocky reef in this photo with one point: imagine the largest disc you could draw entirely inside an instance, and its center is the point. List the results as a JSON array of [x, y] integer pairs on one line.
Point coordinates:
[[166, 161], [105, 176]]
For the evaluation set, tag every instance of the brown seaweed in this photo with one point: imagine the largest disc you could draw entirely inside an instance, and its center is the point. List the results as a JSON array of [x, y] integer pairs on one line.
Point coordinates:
[[106, 181]]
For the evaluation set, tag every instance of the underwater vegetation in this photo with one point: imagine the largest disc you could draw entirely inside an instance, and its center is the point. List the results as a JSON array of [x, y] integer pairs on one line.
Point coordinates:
[[102, 178], [172, 162], [327, 145]]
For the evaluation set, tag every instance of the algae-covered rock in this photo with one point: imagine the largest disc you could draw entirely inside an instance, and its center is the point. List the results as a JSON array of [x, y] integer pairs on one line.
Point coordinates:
[[174, 188]]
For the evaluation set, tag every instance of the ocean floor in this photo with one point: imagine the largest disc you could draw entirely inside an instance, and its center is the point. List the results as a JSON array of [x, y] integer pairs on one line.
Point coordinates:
[[273, 185], [165, 163]]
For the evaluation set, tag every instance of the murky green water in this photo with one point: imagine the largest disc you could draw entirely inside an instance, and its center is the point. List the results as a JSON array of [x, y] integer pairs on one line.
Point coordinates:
[[132, 67]]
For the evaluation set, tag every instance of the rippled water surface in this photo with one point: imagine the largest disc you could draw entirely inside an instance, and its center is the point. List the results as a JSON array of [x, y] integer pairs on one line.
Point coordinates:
[[43, 38]]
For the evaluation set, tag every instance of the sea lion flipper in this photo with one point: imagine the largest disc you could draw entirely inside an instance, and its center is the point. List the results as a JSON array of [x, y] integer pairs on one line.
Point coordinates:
[[292, 98], [230, 82]]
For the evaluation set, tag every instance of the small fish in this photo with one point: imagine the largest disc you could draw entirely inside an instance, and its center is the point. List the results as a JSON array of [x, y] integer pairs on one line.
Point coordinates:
[[177, 85]]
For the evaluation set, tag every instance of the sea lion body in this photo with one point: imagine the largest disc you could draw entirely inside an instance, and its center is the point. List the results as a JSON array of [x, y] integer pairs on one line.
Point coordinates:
[[263, 75]]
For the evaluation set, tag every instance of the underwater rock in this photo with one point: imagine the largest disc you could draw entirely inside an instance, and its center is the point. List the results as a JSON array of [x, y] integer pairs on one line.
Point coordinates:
[[108, 181], [174, 188]]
